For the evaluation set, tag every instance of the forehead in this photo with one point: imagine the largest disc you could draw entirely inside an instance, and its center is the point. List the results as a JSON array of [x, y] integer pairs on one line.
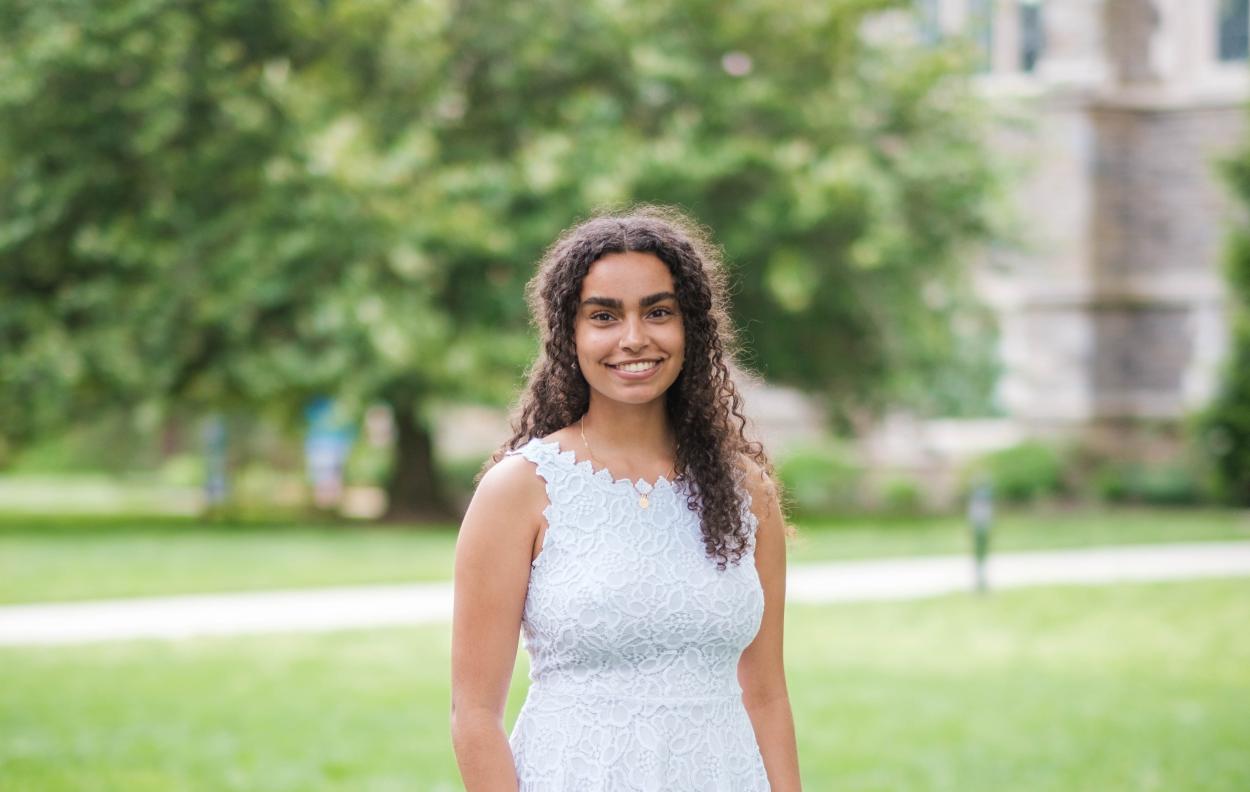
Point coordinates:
[[627, 276]]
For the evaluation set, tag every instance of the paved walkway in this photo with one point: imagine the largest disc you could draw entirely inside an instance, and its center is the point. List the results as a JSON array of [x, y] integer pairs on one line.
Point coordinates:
[[316, 610]]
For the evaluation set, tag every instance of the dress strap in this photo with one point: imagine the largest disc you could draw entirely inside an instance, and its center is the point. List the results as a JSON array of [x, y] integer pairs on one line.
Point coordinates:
[[545, 456], [547, 463]]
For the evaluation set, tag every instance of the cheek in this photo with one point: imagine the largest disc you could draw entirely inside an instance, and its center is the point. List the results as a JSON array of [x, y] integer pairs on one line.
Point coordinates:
[[678, 342], [587, 342]]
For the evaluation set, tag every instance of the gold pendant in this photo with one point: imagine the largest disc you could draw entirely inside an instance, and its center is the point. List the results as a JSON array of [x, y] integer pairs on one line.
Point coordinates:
[[644, 501]]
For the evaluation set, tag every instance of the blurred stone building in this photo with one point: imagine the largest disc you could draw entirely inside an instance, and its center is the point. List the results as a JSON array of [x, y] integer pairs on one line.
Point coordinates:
[[1112, 311], [1110, 302]]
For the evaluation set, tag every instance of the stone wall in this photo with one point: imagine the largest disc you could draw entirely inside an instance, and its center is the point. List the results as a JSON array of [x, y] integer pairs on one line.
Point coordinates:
[[1160, 214], [1158, 205]]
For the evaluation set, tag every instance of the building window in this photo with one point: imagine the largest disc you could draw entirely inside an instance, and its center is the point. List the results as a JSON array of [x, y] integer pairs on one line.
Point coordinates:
[[1032, 36], [1234, 32]]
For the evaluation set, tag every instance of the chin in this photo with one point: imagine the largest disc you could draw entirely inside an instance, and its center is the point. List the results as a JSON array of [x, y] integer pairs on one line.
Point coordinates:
[[635, 395]]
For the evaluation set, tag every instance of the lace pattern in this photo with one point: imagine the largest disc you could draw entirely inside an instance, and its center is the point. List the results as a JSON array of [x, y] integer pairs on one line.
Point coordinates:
[[634, 637]]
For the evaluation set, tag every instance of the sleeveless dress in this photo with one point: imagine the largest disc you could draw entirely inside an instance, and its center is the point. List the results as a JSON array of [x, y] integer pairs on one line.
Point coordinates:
[[634, 638]]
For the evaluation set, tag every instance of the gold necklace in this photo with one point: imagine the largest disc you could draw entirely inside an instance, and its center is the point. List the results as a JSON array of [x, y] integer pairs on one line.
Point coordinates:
[[644, 498]]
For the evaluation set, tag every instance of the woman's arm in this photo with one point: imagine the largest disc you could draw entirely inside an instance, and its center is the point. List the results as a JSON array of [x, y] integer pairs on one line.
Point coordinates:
[[761, 671], [493, 555]]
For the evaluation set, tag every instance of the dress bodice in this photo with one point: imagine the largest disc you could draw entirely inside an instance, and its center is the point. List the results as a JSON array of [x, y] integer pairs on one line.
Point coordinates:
[[634, 637]]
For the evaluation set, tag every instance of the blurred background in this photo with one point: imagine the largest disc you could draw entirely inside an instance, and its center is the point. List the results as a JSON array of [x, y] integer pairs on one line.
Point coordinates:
[[262, 317]]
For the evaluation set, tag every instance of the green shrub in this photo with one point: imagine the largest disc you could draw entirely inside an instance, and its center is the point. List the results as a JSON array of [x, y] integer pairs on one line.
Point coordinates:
[[1224, 432], [1172, 484], [901, 494], [259, 486], [110, 443], [820, 480], [1112, 482], [1159, 484], [183, 470], [1023, 472]]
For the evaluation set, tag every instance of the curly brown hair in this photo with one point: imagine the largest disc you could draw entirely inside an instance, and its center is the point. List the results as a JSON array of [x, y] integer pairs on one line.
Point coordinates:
[[703, 404]]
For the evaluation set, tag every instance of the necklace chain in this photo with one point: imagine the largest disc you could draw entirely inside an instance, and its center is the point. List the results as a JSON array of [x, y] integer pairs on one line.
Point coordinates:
[[644, 498]]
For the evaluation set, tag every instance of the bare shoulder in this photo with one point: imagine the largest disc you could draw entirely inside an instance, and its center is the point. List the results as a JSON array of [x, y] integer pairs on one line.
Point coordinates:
[[510, 478], [509, 490]]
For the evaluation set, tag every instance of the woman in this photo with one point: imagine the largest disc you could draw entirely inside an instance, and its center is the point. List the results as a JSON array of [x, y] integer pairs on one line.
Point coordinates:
[[633, 532]]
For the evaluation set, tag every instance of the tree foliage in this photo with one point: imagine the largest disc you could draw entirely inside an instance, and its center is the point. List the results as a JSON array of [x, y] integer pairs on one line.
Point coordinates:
[[1225, 425], [251, 202]]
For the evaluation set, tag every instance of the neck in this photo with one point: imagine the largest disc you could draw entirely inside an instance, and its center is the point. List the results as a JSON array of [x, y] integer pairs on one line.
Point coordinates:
[[629, 431]]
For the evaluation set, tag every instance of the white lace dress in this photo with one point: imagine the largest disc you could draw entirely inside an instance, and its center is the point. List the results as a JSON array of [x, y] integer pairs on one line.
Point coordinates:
[[634, 638]]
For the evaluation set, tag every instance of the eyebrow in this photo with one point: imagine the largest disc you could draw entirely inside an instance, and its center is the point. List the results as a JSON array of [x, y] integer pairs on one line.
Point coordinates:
[[645, 302]]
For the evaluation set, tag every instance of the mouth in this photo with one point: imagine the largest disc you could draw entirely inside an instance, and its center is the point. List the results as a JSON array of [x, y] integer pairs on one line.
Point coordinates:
[[634, 366]]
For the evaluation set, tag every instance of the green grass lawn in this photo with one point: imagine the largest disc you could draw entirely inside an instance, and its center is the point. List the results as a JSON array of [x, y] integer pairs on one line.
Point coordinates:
[[1142, 687], [869, 537], [67, 558]]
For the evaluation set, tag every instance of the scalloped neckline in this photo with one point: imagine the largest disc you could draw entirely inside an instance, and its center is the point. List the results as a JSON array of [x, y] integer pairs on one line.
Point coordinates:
[[603, 474]]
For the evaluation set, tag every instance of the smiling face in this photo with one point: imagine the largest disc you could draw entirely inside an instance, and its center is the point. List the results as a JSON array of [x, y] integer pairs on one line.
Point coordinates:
[[628, 331]]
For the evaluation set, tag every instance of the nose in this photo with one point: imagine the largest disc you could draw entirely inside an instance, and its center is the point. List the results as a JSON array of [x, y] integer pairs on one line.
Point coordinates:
[[633, 334]]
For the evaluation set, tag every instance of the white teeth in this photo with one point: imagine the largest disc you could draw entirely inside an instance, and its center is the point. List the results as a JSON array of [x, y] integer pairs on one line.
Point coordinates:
[[643, 366]]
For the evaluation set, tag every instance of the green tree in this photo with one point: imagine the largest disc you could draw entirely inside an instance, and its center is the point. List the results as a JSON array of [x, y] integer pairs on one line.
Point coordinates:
[[248, 202], [171, 232], [847, 178], [1225, 425]]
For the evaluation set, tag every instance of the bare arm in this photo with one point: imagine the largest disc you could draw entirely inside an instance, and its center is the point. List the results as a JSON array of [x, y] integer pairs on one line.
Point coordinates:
[[493, 555], [761, 671]]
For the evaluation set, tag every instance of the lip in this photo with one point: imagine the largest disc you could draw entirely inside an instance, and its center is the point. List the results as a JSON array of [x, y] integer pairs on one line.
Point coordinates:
[[635, 376], [635, 360]]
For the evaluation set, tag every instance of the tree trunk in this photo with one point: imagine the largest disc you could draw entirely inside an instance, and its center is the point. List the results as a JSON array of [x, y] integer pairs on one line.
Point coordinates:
[[414, 492]]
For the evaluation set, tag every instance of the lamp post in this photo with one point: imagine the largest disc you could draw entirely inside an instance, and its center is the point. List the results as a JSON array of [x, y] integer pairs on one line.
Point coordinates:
[[980, 515], [216, 480]]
